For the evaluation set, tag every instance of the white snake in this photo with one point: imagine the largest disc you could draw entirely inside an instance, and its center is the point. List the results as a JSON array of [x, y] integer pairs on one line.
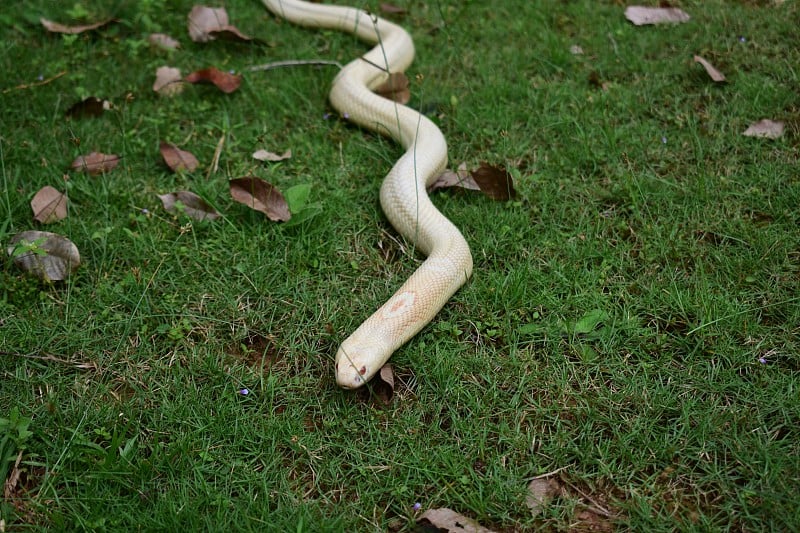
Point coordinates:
[[403, 196]]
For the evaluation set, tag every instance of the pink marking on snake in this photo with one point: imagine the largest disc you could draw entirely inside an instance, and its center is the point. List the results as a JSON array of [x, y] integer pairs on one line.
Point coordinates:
[[399, 304]]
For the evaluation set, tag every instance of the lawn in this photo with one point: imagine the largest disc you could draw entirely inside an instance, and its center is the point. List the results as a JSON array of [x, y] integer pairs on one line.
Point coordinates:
[[630, 337]]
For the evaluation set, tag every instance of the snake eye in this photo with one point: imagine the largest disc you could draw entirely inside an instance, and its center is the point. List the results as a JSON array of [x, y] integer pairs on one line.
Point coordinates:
[[363, 370]]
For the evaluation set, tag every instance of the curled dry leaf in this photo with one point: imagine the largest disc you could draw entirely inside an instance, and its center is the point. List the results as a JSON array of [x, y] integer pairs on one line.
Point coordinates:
[[460, 178], [49, 205], [396, 88], [177, 159], [541, 492], [495, 182], [640, 15], [225, 81], [715, 74], [207, 24], [89, 107], [163, 41], [48, 256], [262, 196], [766, 128], [55, 27], [169, 81], [95, 163], [449, 521], [383, 384], [189, 204], [263, 155]]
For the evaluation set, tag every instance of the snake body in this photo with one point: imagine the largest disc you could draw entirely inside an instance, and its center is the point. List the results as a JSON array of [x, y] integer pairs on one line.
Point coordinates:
[[403, 195]]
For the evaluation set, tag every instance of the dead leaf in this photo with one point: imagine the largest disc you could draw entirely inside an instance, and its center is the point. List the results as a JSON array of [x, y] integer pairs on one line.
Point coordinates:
[[230, 33], [55, 27], [225, 81], [576, 50], [495, 182], [163, 41], [396, 88], [640, 15], [95, 163], [13, 478], [48, 256], [391, 9], [449, 521], [169, 81], [460, 178], [715, 74], [49, 205], [263, 155], [177, 159], [191, 205], [262, 196], [203, 20], [541, 492], [765, 128], [383, 384], [89, 107]]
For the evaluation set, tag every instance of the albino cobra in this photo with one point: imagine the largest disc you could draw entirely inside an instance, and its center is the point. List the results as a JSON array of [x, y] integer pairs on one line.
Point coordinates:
[[403, 197]]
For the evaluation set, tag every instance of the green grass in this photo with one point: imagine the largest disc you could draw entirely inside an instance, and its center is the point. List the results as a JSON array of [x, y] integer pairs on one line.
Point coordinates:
[[640, 204]]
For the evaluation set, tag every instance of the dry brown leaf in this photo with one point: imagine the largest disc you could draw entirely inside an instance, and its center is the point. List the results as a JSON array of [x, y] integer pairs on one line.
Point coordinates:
[[55, 27], [715, 74], [163, 41], [640, 15], [95, 163], [396, 88], [203, 20], [48, 256], [13, 478], [495, 182], [264, 155], [89, 107], [391, 9], [169, 81], [262, 196], [225, 81], [49, 205], [460, 178], [177, 159], [449, 521], [191, 205], [230, 33], [541, 492], [765, 128], [383, 384]]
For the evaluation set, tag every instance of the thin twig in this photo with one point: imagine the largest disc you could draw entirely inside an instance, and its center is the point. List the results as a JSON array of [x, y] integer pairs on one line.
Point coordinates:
[[293, 63], [35, 83]]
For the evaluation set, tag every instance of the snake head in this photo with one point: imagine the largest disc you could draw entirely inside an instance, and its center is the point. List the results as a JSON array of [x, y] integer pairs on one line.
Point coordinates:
[[356, 362]]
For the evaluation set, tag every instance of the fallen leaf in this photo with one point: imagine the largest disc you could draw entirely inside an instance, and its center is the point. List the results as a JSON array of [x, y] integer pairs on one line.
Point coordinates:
[[95, 163], [449, 521], [391, 9], [715, 74], [640, 15], [495, 182], [225, 81], [262, 196], [13, 478], [163, 41], [396, 88], [460, 178], [89, 107], [55, 27], [576, 50], [765, 128], [263, 155], [48, 256], [189, 204], [49, 205], [169, 81], [541, 492], [177, 159], [230, 33], [383, 384], [203, 20]]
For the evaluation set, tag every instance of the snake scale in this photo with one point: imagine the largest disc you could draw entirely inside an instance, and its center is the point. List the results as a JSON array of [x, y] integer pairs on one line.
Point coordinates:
[[403, 196]]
